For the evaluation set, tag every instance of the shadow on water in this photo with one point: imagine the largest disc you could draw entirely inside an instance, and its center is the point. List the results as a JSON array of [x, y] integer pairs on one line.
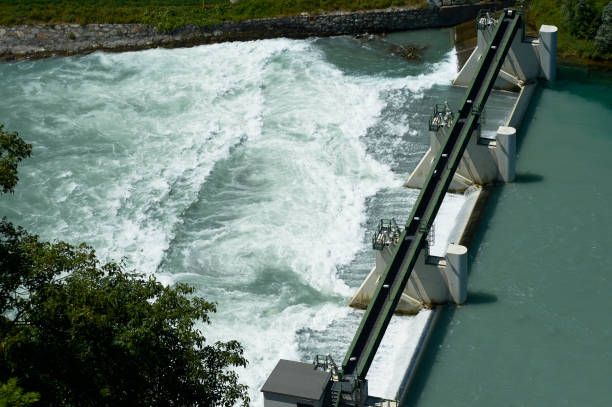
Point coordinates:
[[479, 297], [528, 178]]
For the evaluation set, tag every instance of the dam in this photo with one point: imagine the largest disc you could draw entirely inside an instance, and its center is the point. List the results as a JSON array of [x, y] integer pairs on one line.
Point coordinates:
[[406, 278], [140, 155]]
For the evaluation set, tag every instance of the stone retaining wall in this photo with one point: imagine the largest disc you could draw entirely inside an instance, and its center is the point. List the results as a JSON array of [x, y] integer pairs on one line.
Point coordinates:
[[39, 41]]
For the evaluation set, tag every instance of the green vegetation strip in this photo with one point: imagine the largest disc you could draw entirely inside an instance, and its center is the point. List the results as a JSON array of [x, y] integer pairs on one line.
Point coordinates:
[[578, 22], [172, 14]]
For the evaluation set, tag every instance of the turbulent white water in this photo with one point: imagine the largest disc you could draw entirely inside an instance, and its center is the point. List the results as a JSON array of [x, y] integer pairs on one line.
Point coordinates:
[[249, 170]]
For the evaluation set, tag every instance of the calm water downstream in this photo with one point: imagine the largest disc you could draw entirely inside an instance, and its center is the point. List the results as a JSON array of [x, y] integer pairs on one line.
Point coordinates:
[[537, 329]]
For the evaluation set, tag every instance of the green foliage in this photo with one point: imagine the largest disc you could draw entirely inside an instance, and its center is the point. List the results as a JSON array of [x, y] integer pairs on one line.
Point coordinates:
[[171, 14], [580, 18], [603, 39], [82, 333], [11, 395], [171, 18], [12, 150], [569, 45]]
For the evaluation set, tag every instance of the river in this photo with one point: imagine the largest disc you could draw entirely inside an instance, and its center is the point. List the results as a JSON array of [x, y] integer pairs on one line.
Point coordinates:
[[255, 171]]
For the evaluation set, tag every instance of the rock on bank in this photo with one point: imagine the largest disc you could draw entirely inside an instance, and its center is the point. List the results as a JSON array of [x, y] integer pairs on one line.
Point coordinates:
[[39, 41]]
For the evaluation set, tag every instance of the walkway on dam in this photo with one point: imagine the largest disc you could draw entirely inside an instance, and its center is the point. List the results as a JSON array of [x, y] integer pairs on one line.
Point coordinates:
[[391, 285]]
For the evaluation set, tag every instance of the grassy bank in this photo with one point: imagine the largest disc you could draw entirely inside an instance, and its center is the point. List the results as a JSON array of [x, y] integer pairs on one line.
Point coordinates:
[[570, 47], [169, 14]]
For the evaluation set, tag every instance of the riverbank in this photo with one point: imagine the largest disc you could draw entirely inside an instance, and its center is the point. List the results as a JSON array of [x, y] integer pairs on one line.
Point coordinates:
[[577, 39], [40, 41]]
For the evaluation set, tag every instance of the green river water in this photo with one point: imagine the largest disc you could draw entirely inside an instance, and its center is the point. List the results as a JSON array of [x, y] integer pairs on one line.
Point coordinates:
[[257, 172], [537, 329]]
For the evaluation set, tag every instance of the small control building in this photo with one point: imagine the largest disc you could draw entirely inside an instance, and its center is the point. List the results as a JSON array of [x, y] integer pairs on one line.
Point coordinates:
[[296, 384]]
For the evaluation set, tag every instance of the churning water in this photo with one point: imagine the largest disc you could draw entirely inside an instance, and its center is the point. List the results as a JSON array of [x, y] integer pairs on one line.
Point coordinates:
[[254, 171]]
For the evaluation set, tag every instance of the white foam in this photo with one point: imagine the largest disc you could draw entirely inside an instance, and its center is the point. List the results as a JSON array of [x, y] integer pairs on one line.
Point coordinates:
[[450, 221], [137, 138], [395, 354]]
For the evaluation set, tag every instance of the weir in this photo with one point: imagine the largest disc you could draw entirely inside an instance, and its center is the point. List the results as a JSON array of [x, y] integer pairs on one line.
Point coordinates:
[[323, 383]]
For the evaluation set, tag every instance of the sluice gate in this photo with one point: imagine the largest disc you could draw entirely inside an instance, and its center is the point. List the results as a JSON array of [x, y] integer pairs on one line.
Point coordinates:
[[298, 384]]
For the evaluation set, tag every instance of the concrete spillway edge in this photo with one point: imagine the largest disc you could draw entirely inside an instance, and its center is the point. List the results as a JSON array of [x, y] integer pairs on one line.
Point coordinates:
[[418, 354]]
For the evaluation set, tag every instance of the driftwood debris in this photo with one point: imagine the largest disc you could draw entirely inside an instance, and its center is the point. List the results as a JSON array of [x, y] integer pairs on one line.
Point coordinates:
[[408, 52]]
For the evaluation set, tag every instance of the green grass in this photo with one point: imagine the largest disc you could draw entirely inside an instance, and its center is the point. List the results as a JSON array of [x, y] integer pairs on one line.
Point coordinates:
[[549, 12], [171, 14]]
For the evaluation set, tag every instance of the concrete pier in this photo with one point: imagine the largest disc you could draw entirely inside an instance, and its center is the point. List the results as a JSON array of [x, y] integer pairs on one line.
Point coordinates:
[[505, 153], [456, 273], [548, 51]]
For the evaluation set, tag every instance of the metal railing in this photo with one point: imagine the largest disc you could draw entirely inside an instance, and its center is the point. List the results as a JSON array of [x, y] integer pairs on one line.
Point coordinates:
[[486, 19], [442, 116], [386, 233], [326, 363]]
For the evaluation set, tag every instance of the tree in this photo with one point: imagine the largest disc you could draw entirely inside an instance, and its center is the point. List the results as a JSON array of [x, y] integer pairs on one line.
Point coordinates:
[[580, 17], [82, 333], [603, 40], [11, 395], [12, 150]]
